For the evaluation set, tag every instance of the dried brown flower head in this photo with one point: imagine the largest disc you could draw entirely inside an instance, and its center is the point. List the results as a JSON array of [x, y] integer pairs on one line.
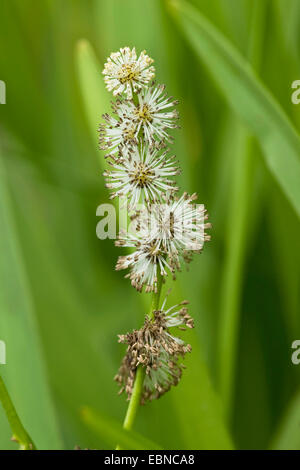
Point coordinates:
[[157, 350]]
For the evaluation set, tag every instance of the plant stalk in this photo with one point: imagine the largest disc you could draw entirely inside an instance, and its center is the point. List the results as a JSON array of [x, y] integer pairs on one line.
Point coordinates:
[[140, 373], [20, 435]]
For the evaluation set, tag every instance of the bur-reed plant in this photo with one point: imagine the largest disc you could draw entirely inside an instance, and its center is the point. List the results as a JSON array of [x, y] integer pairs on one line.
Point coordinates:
[[166, 228]]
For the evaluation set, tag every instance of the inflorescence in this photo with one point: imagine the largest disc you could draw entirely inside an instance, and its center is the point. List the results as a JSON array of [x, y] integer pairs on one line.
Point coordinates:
[[166, 229]]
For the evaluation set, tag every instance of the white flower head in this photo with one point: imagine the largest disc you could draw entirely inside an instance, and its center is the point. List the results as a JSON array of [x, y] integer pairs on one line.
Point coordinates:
[[150, 120], [165, 236], [178, 224], [145, 263], [126, 73], [117, 134], [142, 174], [153, 114]]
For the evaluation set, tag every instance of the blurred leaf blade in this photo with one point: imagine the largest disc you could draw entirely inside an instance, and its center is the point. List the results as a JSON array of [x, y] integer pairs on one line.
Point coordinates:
[[287, 436], [199, 408], [94, 93], [242, 205], [113, 431], [24, 372], [247, 97]]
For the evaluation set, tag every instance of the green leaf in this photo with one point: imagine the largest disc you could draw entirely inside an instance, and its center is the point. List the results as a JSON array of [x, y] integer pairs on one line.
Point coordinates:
[[242, 204], [95, 96], [198, 406], [287, 436], [24, 372], [248, 98], [113, 432]]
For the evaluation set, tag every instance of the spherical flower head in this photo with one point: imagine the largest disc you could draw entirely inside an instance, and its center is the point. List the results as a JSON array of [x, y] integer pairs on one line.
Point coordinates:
[[165, 236], [149, 120], [155, 348], [126, 73], [145, 264], [141, 174], [116, 135], [178, 224], [153, 114]]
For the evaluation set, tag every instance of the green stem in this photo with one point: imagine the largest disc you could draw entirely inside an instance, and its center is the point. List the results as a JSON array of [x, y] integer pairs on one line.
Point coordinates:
[[140, 373], [156, 295], [20, 435], [135, 399]]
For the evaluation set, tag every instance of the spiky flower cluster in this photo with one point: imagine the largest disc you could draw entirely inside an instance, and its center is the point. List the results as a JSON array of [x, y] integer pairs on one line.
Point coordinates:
[[166, 229], [126, 73], [156, 349], [141, 173], [165, 235]]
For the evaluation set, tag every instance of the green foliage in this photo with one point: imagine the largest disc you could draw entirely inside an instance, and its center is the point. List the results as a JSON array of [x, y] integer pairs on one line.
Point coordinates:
[[249, 99], [113, 432], [24, 372]]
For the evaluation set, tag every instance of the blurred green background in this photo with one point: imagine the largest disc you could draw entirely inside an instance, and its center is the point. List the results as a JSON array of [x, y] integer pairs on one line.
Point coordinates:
[[61, 302]]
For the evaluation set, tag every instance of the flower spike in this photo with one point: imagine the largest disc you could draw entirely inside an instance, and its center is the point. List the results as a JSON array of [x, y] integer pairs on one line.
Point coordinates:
[[166, 229]]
